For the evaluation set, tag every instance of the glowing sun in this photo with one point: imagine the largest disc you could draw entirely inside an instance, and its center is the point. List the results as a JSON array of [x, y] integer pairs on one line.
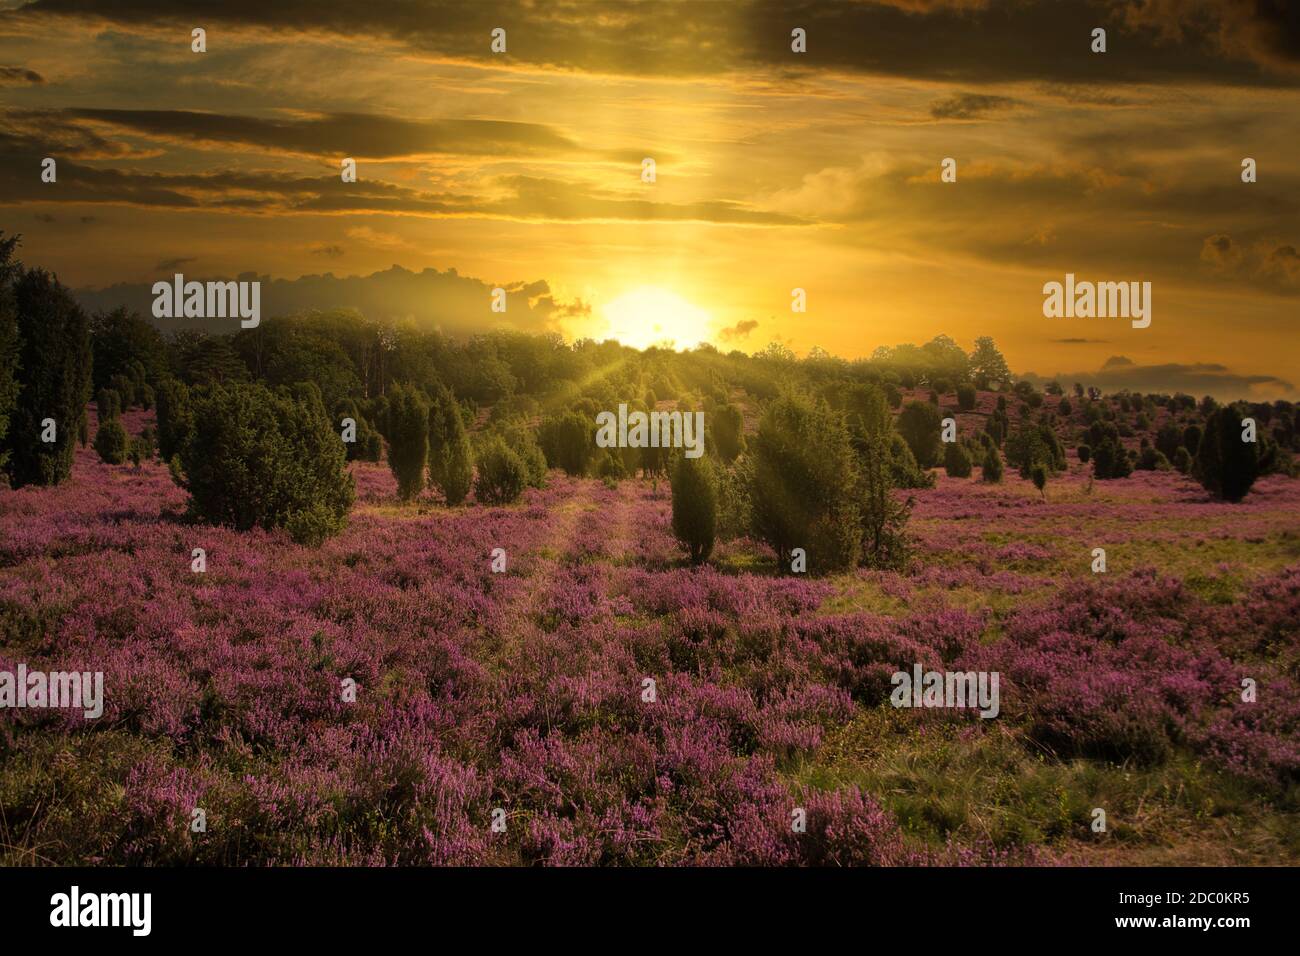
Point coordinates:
[[649, 315]]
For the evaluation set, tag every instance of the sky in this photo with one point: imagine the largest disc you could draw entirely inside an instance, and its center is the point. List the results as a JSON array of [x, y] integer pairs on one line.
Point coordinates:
[[774, 169]]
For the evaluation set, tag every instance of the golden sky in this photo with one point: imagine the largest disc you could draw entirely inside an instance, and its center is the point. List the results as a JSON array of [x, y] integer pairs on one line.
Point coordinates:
[[774, 169]]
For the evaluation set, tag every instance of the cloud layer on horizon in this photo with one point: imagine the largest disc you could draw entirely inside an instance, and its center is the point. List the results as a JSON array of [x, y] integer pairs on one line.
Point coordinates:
[[1201, 378], [430, 299]]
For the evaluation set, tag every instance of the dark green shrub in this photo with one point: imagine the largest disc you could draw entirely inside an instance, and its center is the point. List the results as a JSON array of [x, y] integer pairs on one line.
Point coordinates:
[[728, 425], [991, 471], [502, 475], [695, 506], [147, 444], [609, 467], [918, 423], [112, 442], [1168, 439], [309, 394], [408, 439], [257, 458], [451, 460], [10, 347], [966, 397], [654, 461], [314, 522], [735, 511], [881, 452], [1085, 453], [1273, 458], [1109, 460], [366, 445], [1038, 475], [376, 409], [1032, 444], [108, 405], [956, 460], [521, 440], [1225, 465], [125, 389], [1149, 459], [53, 369], [125, 343], [175, 418], [904, 472], [803, 494], [568, 441]]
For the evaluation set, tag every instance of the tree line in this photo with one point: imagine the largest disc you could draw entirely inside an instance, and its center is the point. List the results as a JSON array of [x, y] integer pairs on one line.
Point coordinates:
[[259, 425]]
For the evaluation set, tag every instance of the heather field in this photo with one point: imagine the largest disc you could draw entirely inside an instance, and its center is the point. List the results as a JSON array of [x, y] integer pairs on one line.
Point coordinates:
[[523, 690]]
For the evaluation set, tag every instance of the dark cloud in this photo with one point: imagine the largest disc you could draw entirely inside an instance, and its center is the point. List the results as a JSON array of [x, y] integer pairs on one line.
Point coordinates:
[[1094, 94], [949, 40], [54, 133], [1117, 361], [1265, 31], [20, 179], [528, 198], [328, 251], [1081, 209], [738, 331], [431, 299], [168, 265], [1217, 250], [358, 135], [19, 76], [970, 106], [1282, 265], [1267, 263], [1201, 378], [1078, 341]]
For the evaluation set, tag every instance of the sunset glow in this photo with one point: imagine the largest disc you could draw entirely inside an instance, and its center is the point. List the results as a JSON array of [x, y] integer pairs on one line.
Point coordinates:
[[649, 315], [522, 168]]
